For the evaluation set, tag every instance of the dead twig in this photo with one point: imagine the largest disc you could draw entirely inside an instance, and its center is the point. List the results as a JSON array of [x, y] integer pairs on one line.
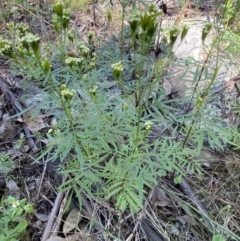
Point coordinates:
[[11, 98], [42, 177], [231, 82], [57, 224], [53, 216], [189, 192], [18, 106], [31, 13]]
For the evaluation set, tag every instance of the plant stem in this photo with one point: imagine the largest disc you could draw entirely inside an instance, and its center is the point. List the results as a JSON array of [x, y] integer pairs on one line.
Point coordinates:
[[205, 94], [122, 25]]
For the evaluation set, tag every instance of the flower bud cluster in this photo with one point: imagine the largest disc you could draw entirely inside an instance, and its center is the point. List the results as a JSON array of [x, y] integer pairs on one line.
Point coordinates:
[[74, 61], [134, 20], [206, 31], [20, 29], [6, 47], [71, 35], [24, 42], [145, 22], [46, 65], [148, 125], [54, 131], [61, 17], [93, 90], [31, 42], [174, 32], [66, 93], [84, 50], [117, 69], [93, 60], [93, 93]]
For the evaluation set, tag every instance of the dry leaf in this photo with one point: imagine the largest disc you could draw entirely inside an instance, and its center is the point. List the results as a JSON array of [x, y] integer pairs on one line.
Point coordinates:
[[56, 238], [7, 129], [33, 124], [186, 219], [167, 87], [13, 189], [13, 153], [41, 217], [160, 197], [72, 220], [162, 203], [13, 9], [53, 122]]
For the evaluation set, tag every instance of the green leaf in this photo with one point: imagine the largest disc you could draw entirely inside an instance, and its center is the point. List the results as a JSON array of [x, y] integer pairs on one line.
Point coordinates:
[[113, 186], [10, 199], [133, 207], [65, 146], [29, 208], [69, 200], [78, 194], [218, 237], [133, 199], [184, 32], [206, 73], [116, 190], [5, 219], [138, 201], [200, 141], [178, 179], [196, 76], [20, 227], [79, 155], [17, 212], [140, 187], [122, 202], [65, 185]]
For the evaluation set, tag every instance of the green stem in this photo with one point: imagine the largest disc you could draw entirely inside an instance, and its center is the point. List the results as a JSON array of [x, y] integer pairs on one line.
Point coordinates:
[[61, 42], [122, 25], [140, 85], [205, 94]]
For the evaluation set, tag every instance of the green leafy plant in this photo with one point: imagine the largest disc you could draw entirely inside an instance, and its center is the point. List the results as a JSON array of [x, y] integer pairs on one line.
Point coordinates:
[[13, 218], [61, 18], [5, 163], [103, 137], [230, 11]]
